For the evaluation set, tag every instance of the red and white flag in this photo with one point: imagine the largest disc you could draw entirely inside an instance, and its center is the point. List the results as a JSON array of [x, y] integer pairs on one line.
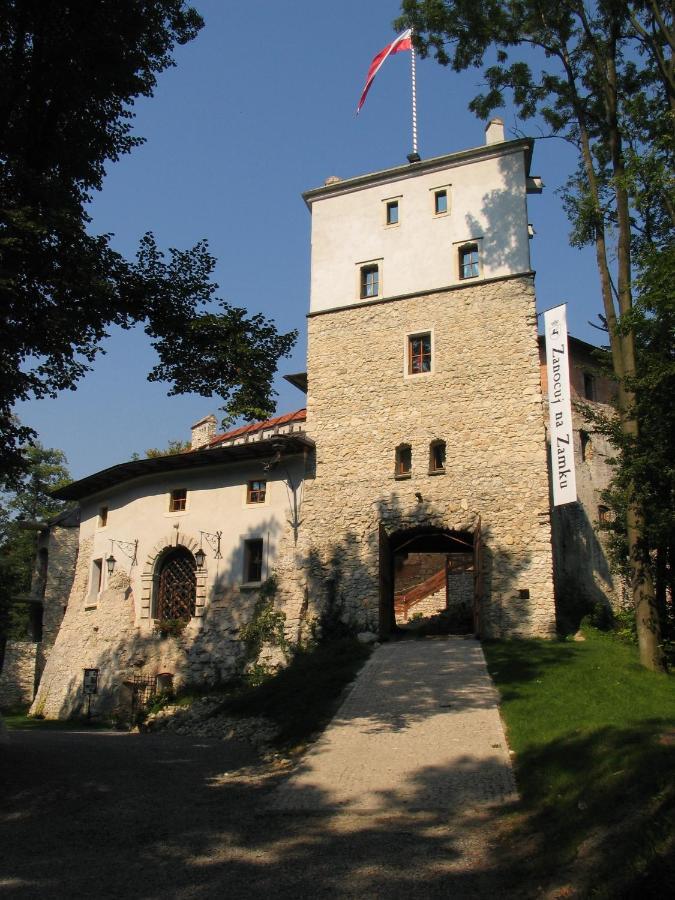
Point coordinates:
[[402, 42]]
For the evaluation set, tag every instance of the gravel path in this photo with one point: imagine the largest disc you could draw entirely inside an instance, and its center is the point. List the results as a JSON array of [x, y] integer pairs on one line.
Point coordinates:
[[106, 815], [420, 730]]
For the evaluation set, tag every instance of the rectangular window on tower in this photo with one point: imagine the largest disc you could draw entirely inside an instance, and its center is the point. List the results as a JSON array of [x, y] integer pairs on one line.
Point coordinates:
[[468, 261], [392, 212], [370, 281], [440, 202], [419, 353]]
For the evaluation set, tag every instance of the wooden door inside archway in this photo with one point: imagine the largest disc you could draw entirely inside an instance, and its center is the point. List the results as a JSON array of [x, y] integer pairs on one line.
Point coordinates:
[[177, 585]]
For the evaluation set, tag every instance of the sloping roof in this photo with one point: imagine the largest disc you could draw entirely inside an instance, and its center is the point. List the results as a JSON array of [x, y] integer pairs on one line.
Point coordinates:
[[192, 459], [300, 415]]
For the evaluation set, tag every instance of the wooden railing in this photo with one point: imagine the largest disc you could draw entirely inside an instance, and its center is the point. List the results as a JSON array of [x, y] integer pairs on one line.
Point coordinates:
[[405, 601]]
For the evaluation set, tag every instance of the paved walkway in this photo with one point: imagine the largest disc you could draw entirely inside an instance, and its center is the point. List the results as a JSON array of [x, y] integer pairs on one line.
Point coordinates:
[[420, 731]]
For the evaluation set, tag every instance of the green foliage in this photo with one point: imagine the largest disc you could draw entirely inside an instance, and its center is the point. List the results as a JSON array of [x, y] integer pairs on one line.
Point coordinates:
[[173, 449], [29, 502], [600, 77], [70, 76], [590, 763], [266, 627]]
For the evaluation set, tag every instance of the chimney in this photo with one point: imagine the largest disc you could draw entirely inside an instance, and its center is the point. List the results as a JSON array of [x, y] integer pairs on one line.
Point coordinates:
[[494, 131], [203, 431]]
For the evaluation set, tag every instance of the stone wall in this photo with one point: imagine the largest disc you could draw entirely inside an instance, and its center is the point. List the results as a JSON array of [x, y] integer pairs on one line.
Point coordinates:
[[429, 606], [60, 543], [582, 568], [17, 679], [106, 634], [483, 398]]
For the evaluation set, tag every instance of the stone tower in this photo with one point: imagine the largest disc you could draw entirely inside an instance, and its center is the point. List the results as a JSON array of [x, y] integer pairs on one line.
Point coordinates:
[[423, 388]]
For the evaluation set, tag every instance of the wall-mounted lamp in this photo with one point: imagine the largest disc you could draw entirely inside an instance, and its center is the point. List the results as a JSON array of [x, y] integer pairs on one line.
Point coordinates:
[[129, 548], [213, 541]]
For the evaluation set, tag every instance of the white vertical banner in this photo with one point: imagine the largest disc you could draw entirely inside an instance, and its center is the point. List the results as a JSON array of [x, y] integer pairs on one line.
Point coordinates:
[[560, 407]]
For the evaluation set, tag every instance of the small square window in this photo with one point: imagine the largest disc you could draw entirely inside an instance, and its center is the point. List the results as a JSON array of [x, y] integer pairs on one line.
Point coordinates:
[[403, 466], [103, 517], [370, 281], [468, 261], [440, 202], [419, 353], [253, 559], [255, 491], [589, 386], [392, 212], [178, 500]]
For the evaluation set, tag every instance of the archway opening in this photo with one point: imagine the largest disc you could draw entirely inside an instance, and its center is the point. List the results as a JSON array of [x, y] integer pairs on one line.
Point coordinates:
[[176, 586], [428, 584]]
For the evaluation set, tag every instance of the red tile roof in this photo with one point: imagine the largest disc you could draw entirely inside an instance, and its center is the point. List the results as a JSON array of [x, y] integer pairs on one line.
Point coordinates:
[[300, 415]]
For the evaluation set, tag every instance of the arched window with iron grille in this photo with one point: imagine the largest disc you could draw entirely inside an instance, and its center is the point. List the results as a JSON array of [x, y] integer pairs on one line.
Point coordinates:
[[176, 586]]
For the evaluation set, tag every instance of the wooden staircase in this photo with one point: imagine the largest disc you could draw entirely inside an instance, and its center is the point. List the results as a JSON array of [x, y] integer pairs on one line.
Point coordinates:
[[404, 602]]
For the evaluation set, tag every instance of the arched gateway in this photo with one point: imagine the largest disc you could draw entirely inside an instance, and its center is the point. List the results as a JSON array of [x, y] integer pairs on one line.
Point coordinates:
[[426, 571]]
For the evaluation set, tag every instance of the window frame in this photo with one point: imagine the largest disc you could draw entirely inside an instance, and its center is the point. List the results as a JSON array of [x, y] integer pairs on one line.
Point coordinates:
[[605, 516], [173, 500], [470, 247], [364, 270], [590, 387], [586, 445], [435, 445], [407, 353], [401, 473], [250, 491], [103, 515], [96, 575], [435, 194], [250, 544], [390, 204]]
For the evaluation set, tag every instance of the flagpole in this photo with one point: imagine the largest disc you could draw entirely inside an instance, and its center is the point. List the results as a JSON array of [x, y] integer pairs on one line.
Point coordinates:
[[414, 156]]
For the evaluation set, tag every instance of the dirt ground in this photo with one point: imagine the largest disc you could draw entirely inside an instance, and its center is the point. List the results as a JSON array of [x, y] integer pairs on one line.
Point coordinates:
[[102, 814]]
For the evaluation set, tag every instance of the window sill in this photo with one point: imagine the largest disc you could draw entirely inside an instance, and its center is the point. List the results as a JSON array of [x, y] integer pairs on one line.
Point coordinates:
[[250, 586], [404, 477], [436, 472]]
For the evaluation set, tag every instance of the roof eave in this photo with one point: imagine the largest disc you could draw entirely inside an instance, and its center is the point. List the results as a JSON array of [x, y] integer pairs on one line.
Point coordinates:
[[192, 460], [410, 169]]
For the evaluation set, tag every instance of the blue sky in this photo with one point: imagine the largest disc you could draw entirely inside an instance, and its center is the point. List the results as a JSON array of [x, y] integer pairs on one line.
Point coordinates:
[[260, 107]]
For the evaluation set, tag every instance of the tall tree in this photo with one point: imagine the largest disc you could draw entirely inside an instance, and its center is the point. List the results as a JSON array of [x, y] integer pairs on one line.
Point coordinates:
[[70, 73], [584, 69], [31, 500]]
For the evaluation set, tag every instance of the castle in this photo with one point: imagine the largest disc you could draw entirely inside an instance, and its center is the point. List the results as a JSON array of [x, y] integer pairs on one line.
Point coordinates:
[[415, 480]]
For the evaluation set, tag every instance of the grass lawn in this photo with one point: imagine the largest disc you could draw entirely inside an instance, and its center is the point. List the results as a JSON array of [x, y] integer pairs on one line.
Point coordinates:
[[19, 719], [594, 741]]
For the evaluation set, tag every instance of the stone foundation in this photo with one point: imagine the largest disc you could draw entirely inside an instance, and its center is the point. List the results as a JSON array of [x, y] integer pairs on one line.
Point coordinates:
[[17, 679]]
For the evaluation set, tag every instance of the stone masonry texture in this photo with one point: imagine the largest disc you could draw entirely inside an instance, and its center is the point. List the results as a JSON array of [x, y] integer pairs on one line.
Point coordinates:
[[17, 679], [483, 399], [107, 633]]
